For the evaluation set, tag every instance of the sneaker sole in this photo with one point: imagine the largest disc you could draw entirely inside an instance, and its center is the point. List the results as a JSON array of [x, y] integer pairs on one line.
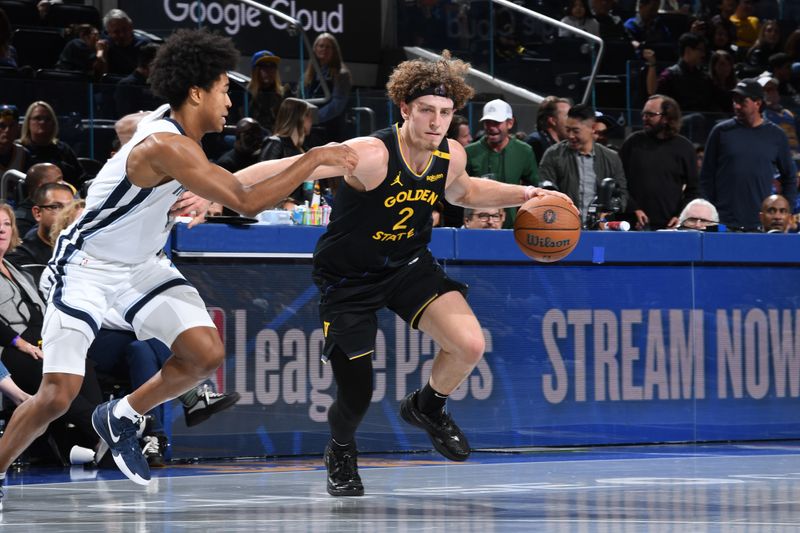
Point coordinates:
[[353, 492], [136, 478]]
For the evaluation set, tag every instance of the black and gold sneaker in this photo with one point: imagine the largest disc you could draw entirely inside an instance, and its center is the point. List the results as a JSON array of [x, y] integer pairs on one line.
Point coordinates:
[[445, 435], [342, 465]]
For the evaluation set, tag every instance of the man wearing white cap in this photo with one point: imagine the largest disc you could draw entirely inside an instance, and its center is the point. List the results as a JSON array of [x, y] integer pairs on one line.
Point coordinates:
[[500, 156]]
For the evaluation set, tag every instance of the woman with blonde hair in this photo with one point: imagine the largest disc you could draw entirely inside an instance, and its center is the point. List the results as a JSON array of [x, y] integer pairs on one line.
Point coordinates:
[[40, 137], [292, 126], [265, 88], [337, 76]]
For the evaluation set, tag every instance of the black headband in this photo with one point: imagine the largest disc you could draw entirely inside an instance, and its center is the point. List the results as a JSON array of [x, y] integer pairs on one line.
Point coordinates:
[[435, 90]]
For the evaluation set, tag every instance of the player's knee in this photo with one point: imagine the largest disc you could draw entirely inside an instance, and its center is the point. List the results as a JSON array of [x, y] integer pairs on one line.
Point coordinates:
[[55, 400], [212, 358], [472, 346]]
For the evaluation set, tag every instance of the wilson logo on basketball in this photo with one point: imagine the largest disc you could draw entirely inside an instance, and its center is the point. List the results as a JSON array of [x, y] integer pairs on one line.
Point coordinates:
[[549, 216], [546, 242]]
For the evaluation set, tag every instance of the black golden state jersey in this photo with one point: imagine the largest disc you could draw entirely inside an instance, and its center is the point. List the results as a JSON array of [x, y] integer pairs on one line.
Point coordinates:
[[373, 232]]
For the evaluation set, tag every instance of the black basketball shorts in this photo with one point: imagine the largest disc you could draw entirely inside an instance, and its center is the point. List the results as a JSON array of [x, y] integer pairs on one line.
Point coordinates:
[[348, 312]]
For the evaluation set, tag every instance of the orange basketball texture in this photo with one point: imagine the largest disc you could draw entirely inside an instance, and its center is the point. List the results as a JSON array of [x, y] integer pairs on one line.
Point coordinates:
[[547, 228]]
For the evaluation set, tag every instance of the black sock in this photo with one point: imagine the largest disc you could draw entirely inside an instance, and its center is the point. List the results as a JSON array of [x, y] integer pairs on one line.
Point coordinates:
[[429, 401]]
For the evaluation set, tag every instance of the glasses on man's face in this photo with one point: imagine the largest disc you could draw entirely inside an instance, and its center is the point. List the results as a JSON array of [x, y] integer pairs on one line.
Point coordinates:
[[697, 223], [484, 217], [6, 125], [650, 114], [57, 206]]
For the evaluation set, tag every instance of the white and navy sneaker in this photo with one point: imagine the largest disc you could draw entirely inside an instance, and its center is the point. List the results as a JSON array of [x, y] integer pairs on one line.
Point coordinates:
[[120, 436]]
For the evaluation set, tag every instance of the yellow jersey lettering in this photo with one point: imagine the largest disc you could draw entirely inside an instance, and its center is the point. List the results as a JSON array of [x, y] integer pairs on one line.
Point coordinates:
[[383, 236], [435, 177], [419, 195]]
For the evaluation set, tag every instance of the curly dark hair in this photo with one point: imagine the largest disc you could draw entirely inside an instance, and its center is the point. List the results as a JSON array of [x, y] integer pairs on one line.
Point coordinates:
[[417, 74], [190, 58]]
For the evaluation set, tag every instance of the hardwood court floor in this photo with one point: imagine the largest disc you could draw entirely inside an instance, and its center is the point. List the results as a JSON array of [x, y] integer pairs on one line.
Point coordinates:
[[745, 487]]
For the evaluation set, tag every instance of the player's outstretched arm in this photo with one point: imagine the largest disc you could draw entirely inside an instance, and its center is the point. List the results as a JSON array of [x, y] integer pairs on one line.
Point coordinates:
[[183, 159], [371, 166], [468, 191]]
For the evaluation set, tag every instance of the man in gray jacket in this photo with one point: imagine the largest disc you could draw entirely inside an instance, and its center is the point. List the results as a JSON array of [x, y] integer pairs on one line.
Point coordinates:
[[578, 165]]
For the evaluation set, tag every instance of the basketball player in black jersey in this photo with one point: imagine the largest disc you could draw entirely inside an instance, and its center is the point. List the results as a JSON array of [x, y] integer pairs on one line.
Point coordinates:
[[375, 254]]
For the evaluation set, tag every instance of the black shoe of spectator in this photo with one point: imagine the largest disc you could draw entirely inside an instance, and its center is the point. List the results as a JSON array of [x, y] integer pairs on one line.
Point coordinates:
[[342, 465], [208, 403]]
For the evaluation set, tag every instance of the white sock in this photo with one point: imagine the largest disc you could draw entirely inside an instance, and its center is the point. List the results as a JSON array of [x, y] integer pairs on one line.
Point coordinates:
[[123, 408], [2, 476]]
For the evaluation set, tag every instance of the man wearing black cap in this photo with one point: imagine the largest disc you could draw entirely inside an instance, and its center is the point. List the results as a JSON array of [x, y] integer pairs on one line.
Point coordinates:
[[741, 157]]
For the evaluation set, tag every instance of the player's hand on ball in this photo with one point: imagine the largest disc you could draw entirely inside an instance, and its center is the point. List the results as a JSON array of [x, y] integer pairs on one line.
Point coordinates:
[[537, 192]]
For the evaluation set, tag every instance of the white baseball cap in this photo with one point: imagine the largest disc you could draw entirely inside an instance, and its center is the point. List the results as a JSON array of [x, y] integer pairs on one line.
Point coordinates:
[[497, 110]]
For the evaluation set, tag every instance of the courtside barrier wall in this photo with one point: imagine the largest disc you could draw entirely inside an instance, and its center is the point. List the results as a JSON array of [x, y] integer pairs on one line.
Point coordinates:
[[634, 338]]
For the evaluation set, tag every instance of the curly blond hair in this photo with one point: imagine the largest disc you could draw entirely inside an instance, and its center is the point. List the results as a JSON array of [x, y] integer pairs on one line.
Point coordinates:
[[418, 74]]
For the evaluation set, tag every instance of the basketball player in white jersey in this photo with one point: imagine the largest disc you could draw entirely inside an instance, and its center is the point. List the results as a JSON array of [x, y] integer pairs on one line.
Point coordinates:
[[108, 259]]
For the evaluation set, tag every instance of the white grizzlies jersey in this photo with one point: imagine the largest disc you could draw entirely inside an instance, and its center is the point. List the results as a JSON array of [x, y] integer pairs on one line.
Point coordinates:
[[124, 223]]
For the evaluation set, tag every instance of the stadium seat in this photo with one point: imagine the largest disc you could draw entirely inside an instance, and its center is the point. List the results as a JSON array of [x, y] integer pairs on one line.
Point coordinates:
[[65, 15], [20, 13], [37, 47]]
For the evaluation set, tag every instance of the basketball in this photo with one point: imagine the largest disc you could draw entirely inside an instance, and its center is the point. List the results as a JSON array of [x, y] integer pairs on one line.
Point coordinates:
[[547, 228]]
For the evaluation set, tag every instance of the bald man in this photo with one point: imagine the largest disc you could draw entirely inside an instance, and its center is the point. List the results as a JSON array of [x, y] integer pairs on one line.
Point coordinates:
[[776, 215]]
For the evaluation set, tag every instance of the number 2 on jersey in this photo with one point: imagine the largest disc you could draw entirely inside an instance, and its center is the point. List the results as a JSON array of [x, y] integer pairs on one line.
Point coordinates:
[[406, 213]]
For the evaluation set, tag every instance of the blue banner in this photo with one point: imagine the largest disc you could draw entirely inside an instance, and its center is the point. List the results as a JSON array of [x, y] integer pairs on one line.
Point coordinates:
[[575, 355]]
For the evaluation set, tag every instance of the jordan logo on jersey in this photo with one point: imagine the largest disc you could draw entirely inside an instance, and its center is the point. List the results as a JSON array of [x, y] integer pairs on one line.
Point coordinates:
[[396, 181]]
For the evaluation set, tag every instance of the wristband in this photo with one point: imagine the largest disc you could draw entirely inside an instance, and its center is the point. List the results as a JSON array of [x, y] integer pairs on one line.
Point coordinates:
[[15, 340]]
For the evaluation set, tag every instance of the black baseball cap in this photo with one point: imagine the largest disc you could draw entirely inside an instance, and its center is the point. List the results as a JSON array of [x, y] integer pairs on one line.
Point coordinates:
[[749, 88]]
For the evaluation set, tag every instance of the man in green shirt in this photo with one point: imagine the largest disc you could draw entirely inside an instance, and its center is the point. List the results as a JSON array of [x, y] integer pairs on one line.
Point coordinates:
[[500, 156]]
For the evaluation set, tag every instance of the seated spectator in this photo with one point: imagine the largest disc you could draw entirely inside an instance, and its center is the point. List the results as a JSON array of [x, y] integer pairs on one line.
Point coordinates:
[[646, 26], [132, 92], [767, 44], [610, 26], [122, 44], [780, 65], [265, 88], [686, 81], [33, 254], [40, 137], [459, 130], [578, 15], [38, 175], [8, 55], [776, 215], [741, 159], [792, 46], [337, 75], [578, 165], [699, 214], [85, 53], [500, 156], [13, 156], [21, 317], [722, 34], [246, 147], [747, 26], [292, 126], [780, 116], [723, 78], [488, 218], [551, 125], [9, 388], [660, 166]]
